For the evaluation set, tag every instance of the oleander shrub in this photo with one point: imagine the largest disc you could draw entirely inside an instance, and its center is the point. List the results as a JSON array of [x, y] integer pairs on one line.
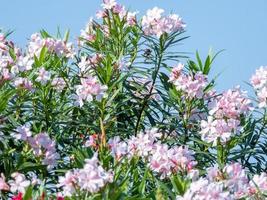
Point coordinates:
[[123, 113]]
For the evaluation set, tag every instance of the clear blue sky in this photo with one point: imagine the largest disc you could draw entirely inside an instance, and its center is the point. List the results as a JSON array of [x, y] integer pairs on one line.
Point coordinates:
[[238, 26]]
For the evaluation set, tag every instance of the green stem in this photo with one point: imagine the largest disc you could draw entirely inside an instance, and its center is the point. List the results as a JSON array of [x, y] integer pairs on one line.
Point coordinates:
[[221, 154], [147, 97]]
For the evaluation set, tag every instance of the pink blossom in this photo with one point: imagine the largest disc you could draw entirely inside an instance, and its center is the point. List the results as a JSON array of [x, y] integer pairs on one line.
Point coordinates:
[[118, 148], [2, 37], [19, 184], [24, 63], [108, 4], [259, 183], [153, 23], [43, 76], [92, 142], [91, 178], [176, 72], [68, 182], [224, 117], [22, 133], [3, 184], [259, 83], [119, 9], [44, 147], [131, 18], [57, 46], [88, 89], [101, 14], [192, 86], [23, 83], [262, 96], [58, 83]]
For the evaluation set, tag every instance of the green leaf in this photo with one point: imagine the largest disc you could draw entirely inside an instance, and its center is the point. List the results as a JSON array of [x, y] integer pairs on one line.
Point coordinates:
[[28, 194]]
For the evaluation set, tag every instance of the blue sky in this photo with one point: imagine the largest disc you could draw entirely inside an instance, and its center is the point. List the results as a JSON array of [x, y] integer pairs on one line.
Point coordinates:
[[238, 26]]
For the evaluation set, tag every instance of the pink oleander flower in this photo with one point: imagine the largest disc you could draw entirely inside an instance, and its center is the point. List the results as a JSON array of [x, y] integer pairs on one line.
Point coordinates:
[[92, 142], [88, 34], [228, 184], [118, 148], [153, 23], [182, 159], [3, 185], [223, 121], [6, 75], [2, 37], [35, 45], [89, 89], [23, 83], [91, 178], [43, 76], [192, 86], [213, 129], [19, 184], [68, 182], [231, 104], [109, 4], [202, 189], [58, 83], [259, 83], [22, 133], [101, 14], [41, 144], [57, 46], [159, 161], [24, 63], [85, 64], [176, 72], [236, 180], [258, 80], [144, 142], [119, 9], [258, 183], [131, 18]]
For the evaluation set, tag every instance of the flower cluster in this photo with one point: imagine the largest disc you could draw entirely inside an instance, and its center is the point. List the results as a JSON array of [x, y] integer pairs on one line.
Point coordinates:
[[166, 161], [19, 183], [226, 184], [118, 9], [41, 144], [258, 184], [57, 46], [91, 178], [88, 89], [88, 34], [192, 85], [43, 76], [224, 116], [259, 82], [8, 66], [161, 159], [153, 23]]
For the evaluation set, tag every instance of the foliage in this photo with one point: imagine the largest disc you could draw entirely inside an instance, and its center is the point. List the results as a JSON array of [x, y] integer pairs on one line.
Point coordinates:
[[111, 118]]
